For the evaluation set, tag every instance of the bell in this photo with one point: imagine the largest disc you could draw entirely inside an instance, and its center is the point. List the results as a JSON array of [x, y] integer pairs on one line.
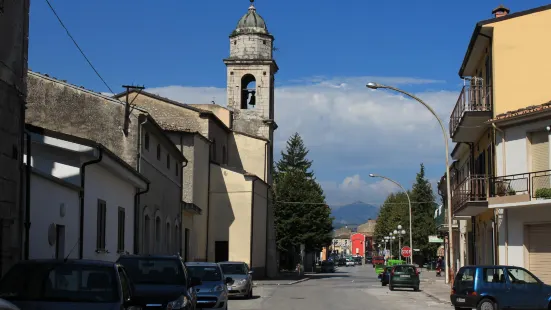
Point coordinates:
[[253, 99]]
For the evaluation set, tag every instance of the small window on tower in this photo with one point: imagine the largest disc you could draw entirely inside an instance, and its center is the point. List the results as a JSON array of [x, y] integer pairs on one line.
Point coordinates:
[[234, 42], [264, 42]]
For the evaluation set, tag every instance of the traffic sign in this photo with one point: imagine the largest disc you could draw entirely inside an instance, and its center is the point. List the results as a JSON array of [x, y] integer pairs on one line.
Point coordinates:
[[406, 251]]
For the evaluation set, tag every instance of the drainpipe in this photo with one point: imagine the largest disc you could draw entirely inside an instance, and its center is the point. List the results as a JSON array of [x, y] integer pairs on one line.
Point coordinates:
[[182, 228], [138, 194], [82, 185], [208, 212], [268, 202], [27, 196]]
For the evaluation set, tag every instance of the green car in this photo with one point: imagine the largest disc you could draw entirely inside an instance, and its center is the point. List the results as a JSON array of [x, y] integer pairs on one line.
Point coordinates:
[[404, 276], [379, 269]]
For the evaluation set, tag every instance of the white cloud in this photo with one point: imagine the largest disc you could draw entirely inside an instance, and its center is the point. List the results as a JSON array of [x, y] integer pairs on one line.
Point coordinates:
[[350, 128], [354, 188]]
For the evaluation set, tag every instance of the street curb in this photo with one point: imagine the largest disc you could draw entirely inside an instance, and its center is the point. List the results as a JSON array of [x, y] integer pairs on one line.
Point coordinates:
[[277, 284]]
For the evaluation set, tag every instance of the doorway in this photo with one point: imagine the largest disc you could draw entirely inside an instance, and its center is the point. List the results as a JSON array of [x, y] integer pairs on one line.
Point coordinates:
[[221, 251]]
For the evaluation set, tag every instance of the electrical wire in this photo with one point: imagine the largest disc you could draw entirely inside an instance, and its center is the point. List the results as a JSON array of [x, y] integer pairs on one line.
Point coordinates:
[[78, 47]]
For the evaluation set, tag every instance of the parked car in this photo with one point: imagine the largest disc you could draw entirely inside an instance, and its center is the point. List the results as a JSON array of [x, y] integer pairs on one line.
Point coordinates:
[[385, 276], [404, 276], [490, 287], [242, 285], [350, 262], [212, 293], [161, 281], [378, 260], [67, 284], [327, 266], [6, 305]]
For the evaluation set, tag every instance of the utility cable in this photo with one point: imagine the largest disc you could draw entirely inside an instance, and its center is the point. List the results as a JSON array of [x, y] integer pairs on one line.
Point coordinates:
[[80, 49]]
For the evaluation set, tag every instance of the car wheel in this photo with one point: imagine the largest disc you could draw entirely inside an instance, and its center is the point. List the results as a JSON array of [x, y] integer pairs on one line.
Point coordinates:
[[416, 288], [486, 304], [250, 295], [390, 287]]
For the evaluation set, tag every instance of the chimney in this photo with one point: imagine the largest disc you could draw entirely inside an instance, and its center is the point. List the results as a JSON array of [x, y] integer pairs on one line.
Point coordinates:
[[500, 11]]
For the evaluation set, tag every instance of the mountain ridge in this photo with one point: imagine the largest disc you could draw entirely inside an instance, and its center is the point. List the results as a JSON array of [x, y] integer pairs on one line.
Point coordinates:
[[353, 214]]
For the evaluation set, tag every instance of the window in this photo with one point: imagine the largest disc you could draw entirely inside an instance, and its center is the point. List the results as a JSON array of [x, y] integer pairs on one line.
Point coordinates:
[[177, 167], [167, 161], [120, 238], [146, 141], [464, 280], [158, 152], [151, 271], [494, 275], [520, 276], [167, 237], [158, 230], [146, 234], [101, 222]]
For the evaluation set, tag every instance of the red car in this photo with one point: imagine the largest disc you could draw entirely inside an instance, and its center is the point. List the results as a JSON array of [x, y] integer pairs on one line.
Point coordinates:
[[378, 260]]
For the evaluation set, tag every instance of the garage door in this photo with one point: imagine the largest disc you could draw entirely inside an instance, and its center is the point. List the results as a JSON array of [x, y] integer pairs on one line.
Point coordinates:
[[539, 249]]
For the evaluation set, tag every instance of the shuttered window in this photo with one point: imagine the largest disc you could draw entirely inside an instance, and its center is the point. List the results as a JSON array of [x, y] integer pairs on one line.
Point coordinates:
[[539, 249], [540, 158]]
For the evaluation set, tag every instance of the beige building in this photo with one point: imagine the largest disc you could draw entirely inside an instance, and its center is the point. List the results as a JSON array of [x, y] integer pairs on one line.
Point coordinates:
[[500, 125], [230, 153], [14, 35]]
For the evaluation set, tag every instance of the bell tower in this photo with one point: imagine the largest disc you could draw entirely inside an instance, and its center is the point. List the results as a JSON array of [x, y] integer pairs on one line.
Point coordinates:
[[250, 76]]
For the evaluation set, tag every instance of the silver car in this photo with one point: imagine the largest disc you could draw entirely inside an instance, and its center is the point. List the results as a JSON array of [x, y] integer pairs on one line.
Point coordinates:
[[212, 293], [242, 285]]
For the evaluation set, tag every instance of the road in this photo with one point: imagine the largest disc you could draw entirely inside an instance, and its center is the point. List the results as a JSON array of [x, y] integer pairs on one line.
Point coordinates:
[[350, 288]]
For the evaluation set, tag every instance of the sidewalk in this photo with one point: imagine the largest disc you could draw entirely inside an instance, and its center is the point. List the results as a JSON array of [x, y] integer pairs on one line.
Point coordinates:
[[435, 287]]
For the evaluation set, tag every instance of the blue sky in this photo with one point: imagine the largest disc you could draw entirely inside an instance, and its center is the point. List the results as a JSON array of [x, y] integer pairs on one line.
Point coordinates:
[[327, 51]]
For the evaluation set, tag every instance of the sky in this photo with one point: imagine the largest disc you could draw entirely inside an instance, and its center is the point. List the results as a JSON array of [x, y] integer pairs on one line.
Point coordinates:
[[327, 51]]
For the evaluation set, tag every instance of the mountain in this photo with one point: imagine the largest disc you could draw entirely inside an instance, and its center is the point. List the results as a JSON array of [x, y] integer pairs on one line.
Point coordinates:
[[353, 214]]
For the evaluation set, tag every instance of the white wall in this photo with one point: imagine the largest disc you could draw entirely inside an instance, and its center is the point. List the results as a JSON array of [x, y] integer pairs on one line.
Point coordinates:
[[518, 217], [516, 148], [47, 197], [116, 192]]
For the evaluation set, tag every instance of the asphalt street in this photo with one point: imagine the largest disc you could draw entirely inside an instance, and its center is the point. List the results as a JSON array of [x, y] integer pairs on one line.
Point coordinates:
[[349, 288]]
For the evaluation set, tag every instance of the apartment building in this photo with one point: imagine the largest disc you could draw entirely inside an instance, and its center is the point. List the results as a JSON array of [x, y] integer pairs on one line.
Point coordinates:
[[499, 175]]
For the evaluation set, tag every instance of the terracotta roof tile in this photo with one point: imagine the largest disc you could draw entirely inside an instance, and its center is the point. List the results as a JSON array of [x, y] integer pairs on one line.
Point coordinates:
[[523, 111]]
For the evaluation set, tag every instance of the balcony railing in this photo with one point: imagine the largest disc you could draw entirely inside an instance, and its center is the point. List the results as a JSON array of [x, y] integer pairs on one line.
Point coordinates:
[[472, 188], [473, 98], [535, 184]]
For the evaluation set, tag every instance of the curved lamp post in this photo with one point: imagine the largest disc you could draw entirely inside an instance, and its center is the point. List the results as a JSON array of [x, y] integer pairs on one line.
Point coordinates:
[[409, 203], [448, 187]]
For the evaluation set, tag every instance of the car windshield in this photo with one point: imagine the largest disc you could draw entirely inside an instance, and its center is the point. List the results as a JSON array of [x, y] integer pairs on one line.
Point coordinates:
[[161, 271], [233, 268], [60, 282], [205, 273]]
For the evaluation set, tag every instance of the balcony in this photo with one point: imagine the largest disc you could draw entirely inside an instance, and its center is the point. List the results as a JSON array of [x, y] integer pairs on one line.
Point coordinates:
[[520, 188], [472, 110], [469, 196]]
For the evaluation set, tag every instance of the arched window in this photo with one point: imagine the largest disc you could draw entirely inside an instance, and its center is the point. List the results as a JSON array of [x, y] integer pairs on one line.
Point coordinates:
[[248, 91], [158, 231], [146, 234]]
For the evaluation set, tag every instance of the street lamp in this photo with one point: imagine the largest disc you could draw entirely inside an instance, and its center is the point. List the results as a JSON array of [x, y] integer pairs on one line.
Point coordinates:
[[400, 232], [372, 85], [409, 203]]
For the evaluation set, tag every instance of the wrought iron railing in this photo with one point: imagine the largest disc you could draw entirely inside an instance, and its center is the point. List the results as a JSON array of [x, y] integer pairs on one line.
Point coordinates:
[[472, 98], [535, 184], [472, 188]]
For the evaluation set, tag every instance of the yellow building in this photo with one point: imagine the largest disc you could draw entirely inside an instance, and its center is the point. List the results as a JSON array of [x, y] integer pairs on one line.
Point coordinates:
[[506, 68]]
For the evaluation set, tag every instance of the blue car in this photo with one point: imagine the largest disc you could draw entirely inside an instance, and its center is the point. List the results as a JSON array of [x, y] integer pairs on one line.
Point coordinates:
[[213, 291], [499, 287], [385, 276]]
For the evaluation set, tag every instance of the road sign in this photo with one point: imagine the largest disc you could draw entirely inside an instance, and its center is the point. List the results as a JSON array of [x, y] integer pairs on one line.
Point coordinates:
[[406, 251]]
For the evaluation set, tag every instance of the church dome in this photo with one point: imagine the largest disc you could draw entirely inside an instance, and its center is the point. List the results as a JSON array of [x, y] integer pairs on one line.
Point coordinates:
[[251, 23]]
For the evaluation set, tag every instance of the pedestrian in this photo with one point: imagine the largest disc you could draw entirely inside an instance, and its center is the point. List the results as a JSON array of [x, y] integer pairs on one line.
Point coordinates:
[[439, 267]]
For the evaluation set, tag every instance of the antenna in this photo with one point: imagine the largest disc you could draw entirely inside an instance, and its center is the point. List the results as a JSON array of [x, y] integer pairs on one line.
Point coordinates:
[[70, 252], [127, 110]]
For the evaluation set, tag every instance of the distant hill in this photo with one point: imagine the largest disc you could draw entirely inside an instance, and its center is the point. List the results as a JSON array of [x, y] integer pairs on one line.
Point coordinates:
[[354, 214]]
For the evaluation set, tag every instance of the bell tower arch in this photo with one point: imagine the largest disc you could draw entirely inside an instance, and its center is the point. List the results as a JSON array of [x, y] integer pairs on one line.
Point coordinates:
[[250, 76]]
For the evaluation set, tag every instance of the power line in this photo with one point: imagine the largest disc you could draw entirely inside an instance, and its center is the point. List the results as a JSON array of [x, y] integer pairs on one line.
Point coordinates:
[[76, 44]]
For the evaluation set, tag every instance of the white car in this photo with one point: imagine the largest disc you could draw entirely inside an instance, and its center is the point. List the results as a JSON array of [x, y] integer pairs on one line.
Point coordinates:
[[350, 263]]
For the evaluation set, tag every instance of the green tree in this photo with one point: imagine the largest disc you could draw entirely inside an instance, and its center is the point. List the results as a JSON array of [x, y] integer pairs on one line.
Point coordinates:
[[423, 214], [301, 215], [393, 212]]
